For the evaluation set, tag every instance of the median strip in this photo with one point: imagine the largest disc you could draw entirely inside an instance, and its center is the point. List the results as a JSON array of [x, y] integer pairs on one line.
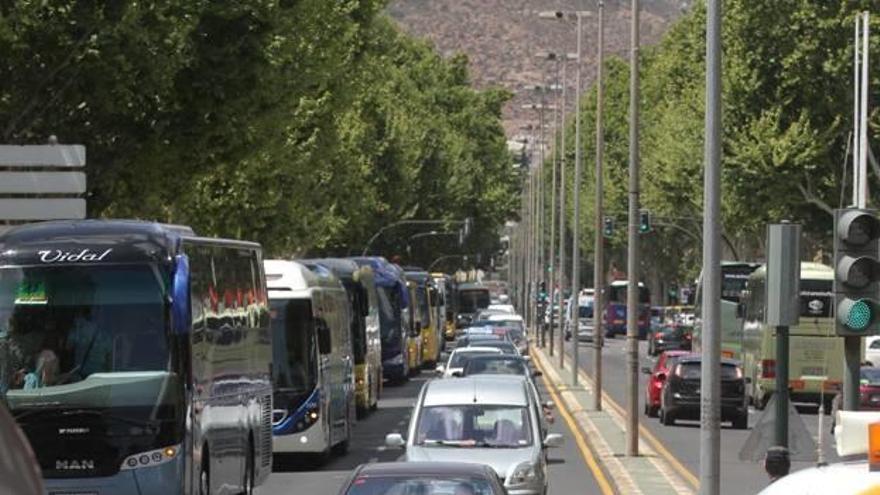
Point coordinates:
[[656, 471]]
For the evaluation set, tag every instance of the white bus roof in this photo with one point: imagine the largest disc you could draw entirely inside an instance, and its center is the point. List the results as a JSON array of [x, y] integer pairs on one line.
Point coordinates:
[[809, 271], [286, 279], [624, 283]]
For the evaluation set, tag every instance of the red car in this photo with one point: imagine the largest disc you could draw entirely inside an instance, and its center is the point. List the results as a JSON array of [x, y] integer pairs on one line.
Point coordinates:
[[658, 377]]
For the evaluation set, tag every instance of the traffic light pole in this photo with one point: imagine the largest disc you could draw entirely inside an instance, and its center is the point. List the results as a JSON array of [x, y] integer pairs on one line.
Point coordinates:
[[599, 263], [852, 352], [782, 354]]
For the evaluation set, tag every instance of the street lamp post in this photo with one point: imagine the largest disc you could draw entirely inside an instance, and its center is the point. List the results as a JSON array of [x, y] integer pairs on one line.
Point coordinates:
[[599, 239], [632, 290]]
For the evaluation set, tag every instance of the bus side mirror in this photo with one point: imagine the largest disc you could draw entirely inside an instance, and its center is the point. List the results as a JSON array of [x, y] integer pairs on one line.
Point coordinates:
[[323, 330], [181, 312]]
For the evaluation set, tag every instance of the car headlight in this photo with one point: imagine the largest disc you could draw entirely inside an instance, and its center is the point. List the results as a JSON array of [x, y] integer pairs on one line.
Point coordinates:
[[150, 458], [525, 472]]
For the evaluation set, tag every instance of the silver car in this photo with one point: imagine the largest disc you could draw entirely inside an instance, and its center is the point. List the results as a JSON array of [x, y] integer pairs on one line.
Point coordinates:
[[492, 420]]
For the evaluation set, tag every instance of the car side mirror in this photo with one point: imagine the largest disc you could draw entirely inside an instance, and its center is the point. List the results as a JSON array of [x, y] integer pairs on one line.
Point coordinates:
[[395, 441], [536, 374], [458, 374], [646, 370], [553, 440], [548, 405], [661, 376], [323, 331], [439, 369], [527, 358]]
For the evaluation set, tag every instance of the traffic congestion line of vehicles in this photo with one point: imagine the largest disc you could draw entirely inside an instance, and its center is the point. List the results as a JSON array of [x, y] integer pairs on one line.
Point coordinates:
[[138, 357]]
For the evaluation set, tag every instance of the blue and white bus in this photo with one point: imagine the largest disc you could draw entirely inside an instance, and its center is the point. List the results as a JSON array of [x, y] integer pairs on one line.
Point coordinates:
[[313, 361], [136, 357]]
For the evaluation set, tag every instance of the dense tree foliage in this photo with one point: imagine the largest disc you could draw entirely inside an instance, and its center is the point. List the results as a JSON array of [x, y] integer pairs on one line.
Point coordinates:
[[303, 124], [787, 103]]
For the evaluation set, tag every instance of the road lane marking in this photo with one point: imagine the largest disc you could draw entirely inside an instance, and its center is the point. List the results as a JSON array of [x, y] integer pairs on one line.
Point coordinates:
[[658, 446], [581, 442]]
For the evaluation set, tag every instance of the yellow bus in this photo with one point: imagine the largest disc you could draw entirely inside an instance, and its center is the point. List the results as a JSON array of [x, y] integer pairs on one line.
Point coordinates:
[[414, 337], [426, 303], [816, 353]]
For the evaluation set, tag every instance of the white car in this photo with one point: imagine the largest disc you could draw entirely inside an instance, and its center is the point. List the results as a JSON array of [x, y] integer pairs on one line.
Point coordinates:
[[455, 364], [501, 309], [872, 350]]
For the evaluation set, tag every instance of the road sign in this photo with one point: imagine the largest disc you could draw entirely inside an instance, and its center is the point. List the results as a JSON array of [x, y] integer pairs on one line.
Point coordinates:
[[33, 209], [856, 271], [53, 155], [783, 275], [34, 171], [42, 182]]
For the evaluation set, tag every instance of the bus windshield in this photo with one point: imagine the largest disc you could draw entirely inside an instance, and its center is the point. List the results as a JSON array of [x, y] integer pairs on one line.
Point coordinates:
[[424, 310], [63, 324], [733, 281], [472, 300], [294, 346], [389, 317], [617, 294]]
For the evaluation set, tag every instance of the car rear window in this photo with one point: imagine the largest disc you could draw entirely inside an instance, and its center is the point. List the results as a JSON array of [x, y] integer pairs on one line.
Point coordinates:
[[690, 370]]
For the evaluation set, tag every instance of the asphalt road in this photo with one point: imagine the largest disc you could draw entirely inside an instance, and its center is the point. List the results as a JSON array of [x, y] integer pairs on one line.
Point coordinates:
[[568, 472], [683, 439]]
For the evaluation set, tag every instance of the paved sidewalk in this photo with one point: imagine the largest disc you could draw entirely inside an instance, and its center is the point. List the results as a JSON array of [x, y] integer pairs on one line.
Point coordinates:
[[653, 472]]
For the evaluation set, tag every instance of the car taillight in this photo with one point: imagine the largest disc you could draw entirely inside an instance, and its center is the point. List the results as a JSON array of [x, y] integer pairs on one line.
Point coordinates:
[[658, 335], [768, 368]]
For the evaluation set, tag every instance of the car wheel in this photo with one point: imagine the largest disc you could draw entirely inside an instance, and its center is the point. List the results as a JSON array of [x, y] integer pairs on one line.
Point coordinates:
[[666, 418], [250, 474], [827, 407], [741, 422], [205, 475]]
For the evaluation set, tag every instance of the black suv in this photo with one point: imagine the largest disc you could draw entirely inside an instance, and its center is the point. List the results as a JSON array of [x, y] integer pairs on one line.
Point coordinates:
[[681, 392]]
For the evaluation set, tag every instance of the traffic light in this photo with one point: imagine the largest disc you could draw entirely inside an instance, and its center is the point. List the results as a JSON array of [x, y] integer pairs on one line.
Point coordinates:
[[644, 221], [608, 230], [856, 272]]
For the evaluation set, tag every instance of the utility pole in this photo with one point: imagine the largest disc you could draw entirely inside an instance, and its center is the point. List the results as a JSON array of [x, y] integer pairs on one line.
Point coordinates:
[[632, 290], [575, 223], [540, 216], [710, 380], [555, 164], [599, 262], [561, 270]]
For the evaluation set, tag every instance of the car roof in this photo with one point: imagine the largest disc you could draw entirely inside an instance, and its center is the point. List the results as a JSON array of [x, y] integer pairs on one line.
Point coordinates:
[[508, 390], [497, 357], [695, 357], [476, 349], [422, 468], [505, 317]]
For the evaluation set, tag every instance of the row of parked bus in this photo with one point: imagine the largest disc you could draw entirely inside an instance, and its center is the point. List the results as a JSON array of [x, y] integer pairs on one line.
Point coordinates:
[[141, 358]]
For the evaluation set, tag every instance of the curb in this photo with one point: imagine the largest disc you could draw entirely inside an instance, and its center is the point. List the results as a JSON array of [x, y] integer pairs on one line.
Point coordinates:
[[611, 463]]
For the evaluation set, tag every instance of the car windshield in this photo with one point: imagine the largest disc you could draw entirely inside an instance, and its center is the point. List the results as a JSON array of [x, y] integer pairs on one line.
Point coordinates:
[[458, 359], [420, 485], [294, 352], [870, 376], [60, 325], [474, 425], [505, 347], [671, 332], [495, 366], [585, 311]]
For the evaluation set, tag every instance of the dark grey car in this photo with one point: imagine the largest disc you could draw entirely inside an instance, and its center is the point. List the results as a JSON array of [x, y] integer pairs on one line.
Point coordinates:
[[423, 477]]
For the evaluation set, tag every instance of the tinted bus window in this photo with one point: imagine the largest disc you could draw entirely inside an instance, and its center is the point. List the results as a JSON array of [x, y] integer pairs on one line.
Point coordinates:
[[294, 345], [471, 301], [733, 282]]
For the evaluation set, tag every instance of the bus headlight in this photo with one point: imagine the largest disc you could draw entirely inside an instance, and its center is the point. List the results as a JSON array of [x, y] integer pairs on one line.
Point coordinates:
[[150, 458]]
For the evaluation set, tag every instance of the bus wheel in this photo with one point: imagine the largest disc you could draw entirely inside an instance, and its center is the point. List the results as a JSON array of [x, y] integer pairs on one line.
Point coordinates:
[[205, 475]]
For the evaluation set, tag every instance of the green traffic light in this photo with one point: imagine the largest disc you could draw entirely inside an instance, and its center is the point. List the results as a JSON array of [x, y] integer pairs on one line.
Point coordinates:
[[859, 316]]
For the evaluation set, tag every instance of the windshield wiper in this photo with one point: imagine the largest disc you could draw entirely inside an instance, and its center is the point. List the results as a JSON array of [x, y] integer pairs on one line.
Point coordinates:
[[450, 443]]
